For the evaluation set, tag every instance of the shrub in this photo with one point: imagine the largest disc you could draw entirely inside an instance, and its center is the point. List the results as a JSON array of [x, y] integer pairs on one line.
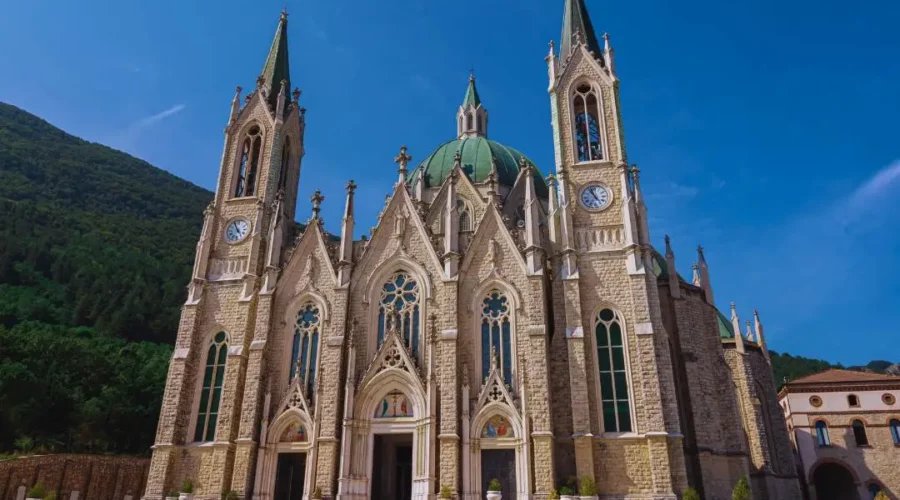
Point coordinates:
[[566, 490], [187, 486], [554, 495], [446, 492], [690, 494], [588, 488], [37, 491], [494, 485], [741, 490]]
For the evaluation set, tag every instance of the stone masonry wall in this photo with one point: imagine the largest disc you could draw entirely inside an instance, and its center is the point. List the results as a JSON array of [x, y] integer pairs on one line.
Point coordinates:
[[92, 477]]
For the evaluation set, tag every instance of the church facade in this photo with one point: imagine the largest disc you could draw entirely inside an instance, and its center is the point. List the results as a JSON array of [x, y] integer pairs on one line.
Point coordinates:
[[495, 324]]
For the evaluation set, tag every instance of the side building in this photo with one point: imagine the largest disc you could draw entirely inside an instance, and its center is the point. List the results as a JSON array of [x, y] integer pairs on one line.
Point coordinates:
[[845, 431]]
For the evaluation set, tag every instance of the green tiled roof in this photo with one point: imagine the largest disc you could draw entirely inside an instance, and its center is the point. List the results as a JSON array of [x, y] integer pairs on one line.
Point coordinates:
[[726, 329], [277, 67], [471, 97], [476, 154]]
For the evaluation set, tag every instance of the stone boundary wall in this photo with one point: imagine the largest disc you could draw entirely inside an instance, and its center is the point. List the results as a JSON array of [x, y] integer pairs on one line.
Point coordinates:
[[75, 477]]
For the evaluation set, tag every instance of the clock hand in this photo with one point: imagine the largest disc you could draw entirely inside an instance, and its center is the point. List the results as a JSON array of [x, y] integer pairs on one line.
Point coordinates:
[[596, 197]]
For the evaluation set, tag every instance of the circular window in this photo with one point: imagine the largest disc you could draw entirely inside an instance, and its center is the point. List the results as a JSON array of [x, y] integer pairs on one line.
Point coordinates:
[[889, 399], [815, 401]]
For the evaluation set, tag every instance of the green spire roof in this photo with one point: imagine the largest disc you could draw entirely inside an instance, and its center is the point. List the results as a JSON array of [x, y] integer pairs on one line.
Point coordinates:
[[277, 68], [576, 20], [471, 97]]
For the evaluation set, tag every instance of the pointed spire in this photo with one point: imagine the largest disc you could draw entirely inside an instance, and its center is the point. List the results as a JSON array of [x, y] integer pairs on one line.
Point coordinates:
[[346, 250], [704, 277], [276, 70], [552, 209], [235, 105], [451, 224], [577, 28], [696, 278], [402, 160], [551, 64], [608, 57], [748, 333], [316, 200], [471, 98], [533, 248], [760, 336], [674, 286], [736, 326]]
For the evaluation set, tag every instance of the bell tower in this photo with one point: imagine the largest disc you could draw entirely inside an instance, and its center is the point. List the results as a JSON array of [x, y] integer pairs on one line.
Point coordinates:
[[618, 359], [214, 376]]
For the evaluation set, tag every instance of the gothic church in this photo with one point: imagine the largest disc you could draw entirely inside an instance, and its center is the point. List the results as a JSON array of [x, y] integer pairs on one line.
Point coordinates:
[[496, 323]]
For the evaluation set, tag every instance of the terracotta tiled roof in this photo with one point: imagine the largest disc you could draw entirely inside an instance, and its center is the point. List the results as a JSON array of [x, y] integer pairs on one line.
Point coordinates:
[[836, 376]]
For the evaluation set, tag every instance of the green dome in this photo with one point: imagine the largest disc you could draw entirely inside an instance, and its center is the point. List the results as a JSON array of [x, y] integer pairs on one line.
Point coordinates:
[[476, 154]]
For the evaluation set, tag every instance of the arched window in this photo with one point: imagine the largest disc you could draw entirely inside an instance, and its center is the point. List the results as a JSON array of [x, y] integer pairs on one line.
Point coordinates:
[[613, 372], [305, 347], [285, 164], [465, 216], [895, 430], [822, 433], [249, 164], [211, 393], [399, 308], [495, 335], [470, 121], [853, 401], [586, 107], [859, 433]]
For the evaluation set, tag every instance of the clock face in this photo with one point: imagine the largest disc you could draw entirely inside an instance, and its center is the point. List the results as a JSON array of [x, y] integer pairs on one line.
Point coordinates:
[[237, 230], [595, 197]]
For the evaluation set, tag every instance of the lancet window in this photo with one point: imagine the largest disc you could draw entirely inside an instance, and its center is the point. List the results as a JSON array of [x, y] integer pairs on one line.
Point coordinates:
[[822, 436], [495, 335], [400, 309], [614, 388], [248, 167], [586, 107], [211, 392], [305, 346], [285, 164], [465, 216]]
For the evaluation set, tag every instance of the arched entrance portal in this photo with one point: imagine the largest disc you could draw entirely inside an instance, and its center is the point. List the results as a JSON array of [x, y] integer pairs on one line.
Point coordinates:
[[833, 481]]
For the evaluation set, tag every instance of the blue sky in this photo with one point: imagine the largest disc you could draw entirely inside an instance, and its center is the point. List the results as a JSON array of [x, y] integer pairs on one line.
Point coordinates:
[[767, 131]]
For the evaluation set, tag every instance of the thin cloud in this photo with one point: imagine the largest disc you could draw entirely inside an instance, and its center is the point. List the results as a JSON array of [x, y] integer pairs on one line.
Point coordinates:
[[867, 195], [158, 117]]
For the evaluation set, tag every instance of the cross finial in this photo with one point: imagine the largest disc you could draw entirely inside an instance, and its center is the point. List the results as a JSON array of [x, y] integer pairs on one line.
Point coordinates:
[[316, 200], [472, 74], [284, 12], [296, 94], [351, 186], [402, 159]]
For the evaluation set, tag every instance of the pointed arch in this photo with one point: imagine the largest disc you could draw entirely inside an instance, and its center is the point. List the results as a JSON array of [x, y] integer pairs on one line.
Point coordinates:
[[588, 122], [494, 309], [283, 421], [248, 157], [212, 380], [285, 164], [608, 338], [382, 384], [491, 410]]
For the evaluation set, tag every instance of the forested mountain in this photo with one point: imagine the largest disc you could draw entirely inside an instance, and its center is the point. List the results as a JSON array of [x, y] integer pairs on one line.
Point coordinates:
[[95, 253]]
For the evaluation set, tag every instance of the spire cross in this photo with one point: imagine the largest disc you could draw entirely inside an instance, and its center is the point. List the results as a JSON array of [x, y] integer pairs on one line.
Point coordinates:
[[316, 200], [402, 159], [351, 186]]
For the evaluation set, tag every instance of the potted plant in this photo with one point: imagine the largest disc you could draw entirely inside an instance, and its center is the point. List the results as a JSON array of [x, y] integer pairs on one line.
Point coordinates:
[[172, 495], [566, 493], [690, 494], [37, 492], [187, 490], [446, 492], [317, 493], [741, 490], [587, 489], [494, 487]]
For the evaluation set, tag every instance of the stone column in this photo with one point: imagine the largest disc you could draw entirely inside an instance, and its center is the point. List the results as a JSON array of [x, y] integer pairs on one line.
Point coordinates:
[[449, 475]]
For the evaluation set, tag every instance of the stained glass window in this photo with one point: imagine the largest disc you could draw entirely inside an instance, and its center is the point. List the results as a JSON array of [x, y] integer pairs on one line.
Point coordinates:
[[613, 372], [822, 433], [305, 346], [399, 308], [211, 393], [895, 431], [495, 335], [249, 165], [588, 142]]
